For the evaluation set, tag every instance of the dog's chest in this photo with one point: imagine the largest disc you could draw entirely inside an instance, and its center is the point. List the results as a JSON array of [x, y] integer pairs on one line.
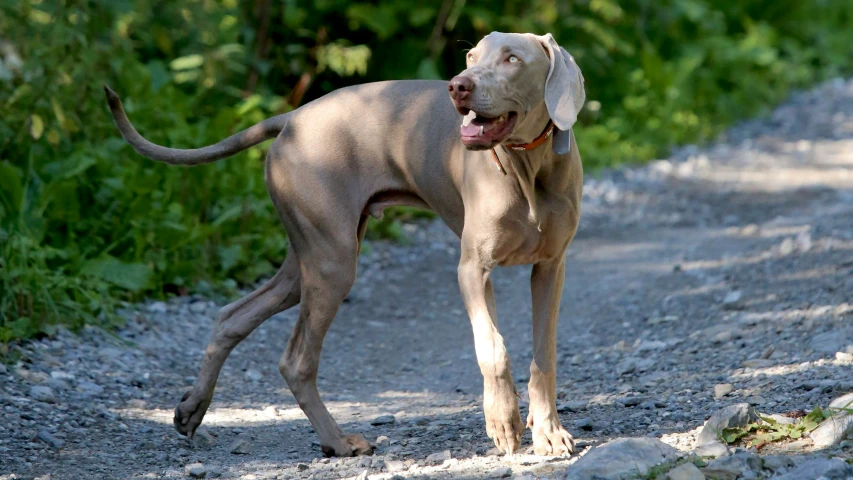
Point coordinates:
[[539, 237]]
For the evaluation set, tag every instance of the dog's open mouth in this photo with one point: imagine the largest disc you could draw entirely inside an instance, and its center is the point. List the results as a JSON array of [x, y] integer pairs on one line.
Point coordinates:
[[480, 132]]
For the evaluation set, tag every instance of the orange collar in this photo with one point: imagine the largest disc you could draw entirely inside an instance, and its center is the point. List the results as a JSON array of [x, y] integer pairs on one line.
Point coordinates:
[[549, 129]]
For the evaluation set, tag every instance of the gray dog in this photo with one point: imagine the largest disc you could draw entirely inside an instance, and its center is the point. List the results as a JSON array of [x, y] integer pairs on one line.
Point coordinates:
[[511, 190]]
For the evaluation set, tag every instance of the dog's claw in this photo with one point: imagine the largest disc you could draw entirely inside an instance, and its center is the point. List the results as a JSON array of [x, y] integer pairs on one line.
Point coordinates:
[[550, 438]]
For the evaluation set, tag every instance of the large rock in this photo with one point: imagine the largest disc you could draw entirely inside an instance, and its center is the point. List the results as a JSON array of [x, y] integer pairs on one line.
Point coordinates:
[[844, 402], [832, 431], [836, 428], [621, 458], [744, 465], [830, 469], [736, 415]]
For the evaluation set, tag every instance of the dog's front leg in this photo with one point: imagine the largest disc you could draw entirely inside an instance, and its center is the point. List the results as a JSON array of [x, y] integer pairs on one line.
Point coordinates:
[[500, 401], [549, 437]]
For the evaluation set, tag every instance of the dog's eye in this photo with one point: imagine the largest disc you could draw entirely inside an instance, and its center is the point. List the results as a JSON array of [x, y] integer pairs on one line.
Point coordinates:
[[512, 59]]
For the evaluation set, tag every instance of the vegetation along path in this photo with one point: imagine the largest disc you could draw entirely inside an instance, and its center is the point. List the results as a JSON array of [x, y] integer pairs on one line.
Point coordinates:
[[718, 276]]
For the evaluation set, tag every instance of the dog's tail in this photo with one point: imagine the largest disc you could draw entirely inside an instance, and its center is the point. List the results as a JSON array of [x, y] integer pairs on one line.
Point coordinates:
[[253, 135]]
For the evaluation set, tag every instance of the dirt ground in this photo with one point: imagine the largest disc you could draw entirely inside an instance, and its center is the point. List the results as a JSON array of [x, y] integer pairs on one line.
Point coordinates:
[[725, 265]]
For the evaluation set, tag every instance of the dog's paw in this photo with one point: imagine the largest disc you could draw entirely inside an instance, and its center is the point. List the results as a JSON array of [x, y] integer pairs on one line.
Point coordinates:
[[506, 433], [189, 413], [550, 438], [349, 446], [503, 422]]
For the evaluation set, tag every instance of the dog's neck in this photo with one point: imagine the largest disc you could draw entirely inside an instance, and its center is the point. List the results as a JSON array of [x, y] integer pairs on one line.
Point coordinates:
[[532, 145], [525, 166]]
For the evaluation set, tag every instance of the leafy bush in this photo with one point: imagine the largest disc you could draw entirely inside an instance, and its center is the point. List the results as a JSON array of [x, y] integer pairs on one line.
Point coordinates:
[[86, 224]]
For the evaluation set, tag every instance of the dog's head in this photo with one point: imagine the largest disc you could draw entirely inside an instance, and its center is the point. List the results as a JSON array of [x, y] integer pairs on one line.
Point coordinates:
[[514, 82]]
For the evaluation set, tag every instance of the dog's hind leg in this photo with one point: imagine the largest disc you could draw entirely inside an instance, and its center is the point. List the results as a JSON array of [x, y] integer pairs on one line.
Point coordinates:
[[328, 265], [235, 322]]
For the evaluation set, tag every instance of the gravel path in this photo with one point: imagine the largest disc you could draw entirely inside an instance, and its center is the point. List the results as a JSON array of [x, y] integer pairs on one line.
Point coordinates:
[[727, 265]]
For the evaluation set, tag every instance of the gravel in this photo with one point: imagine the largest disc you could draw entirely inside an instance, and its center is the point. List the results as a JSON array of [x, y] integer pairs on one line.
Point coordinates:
[[724, 268]]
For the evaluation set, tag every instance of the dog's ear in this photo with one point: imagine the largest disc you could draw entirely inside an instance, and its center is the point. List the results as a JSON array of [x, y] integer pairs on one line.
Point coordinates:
[[564, 93]]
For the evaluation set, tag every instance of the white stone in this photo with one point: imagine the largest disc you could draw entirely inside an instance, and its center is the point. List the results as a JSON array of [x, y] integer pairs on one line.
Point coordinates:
[[621, 457]]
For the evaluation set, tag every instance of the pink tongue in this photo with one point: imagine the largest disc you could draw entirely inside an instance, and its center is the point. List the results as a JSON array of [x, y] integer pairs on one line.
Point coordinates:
[[470, 130]]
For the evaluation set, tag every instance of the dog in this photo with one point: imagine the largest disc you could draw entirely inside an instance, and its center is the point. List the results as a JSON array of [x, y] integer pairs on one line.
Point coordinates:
[[508, 182]]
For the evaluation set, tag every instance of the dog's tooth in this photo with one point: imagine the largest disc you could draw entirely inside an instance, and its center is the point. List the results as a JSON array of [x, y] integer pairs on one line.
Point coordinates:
[[467, 118], [481, 130]]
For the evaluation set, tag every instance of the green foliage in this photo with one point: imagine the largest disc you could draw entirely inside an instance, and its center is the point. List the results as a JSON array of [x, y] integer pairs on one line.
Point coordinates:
[[86, 224], [768, 430]]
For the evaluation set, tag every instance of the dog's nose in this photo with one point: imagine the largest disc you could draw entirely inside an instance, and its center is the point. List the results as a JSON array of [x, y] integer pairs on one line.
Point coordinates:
[[460, 87]]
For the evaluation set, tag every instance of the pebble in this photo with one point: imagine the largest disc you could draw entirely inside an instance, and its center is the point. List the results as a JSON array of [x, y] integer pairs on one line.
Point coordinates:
[[732, 300], [685, 471], [383, 441], [89, 389], [631, 365], [438, 458], [503, 472], [196, 470], [198, 307], [630, 401], [759, 363], [584, 423], [241, 447], [203, 438], [48, 438], [41, 393], [573, 406], [776, 462], [395, 466], [60, 375], [383, 420], [723, 389], [744, 465]]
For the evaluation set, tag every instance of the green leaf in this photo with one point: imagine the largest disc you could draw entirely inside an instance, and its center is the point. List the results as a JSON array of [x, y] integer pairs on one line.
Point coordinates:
[[187, 62], [129, 276], [36, 126], [769, 420], [57, 110], [767, 438], [18, 93]]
